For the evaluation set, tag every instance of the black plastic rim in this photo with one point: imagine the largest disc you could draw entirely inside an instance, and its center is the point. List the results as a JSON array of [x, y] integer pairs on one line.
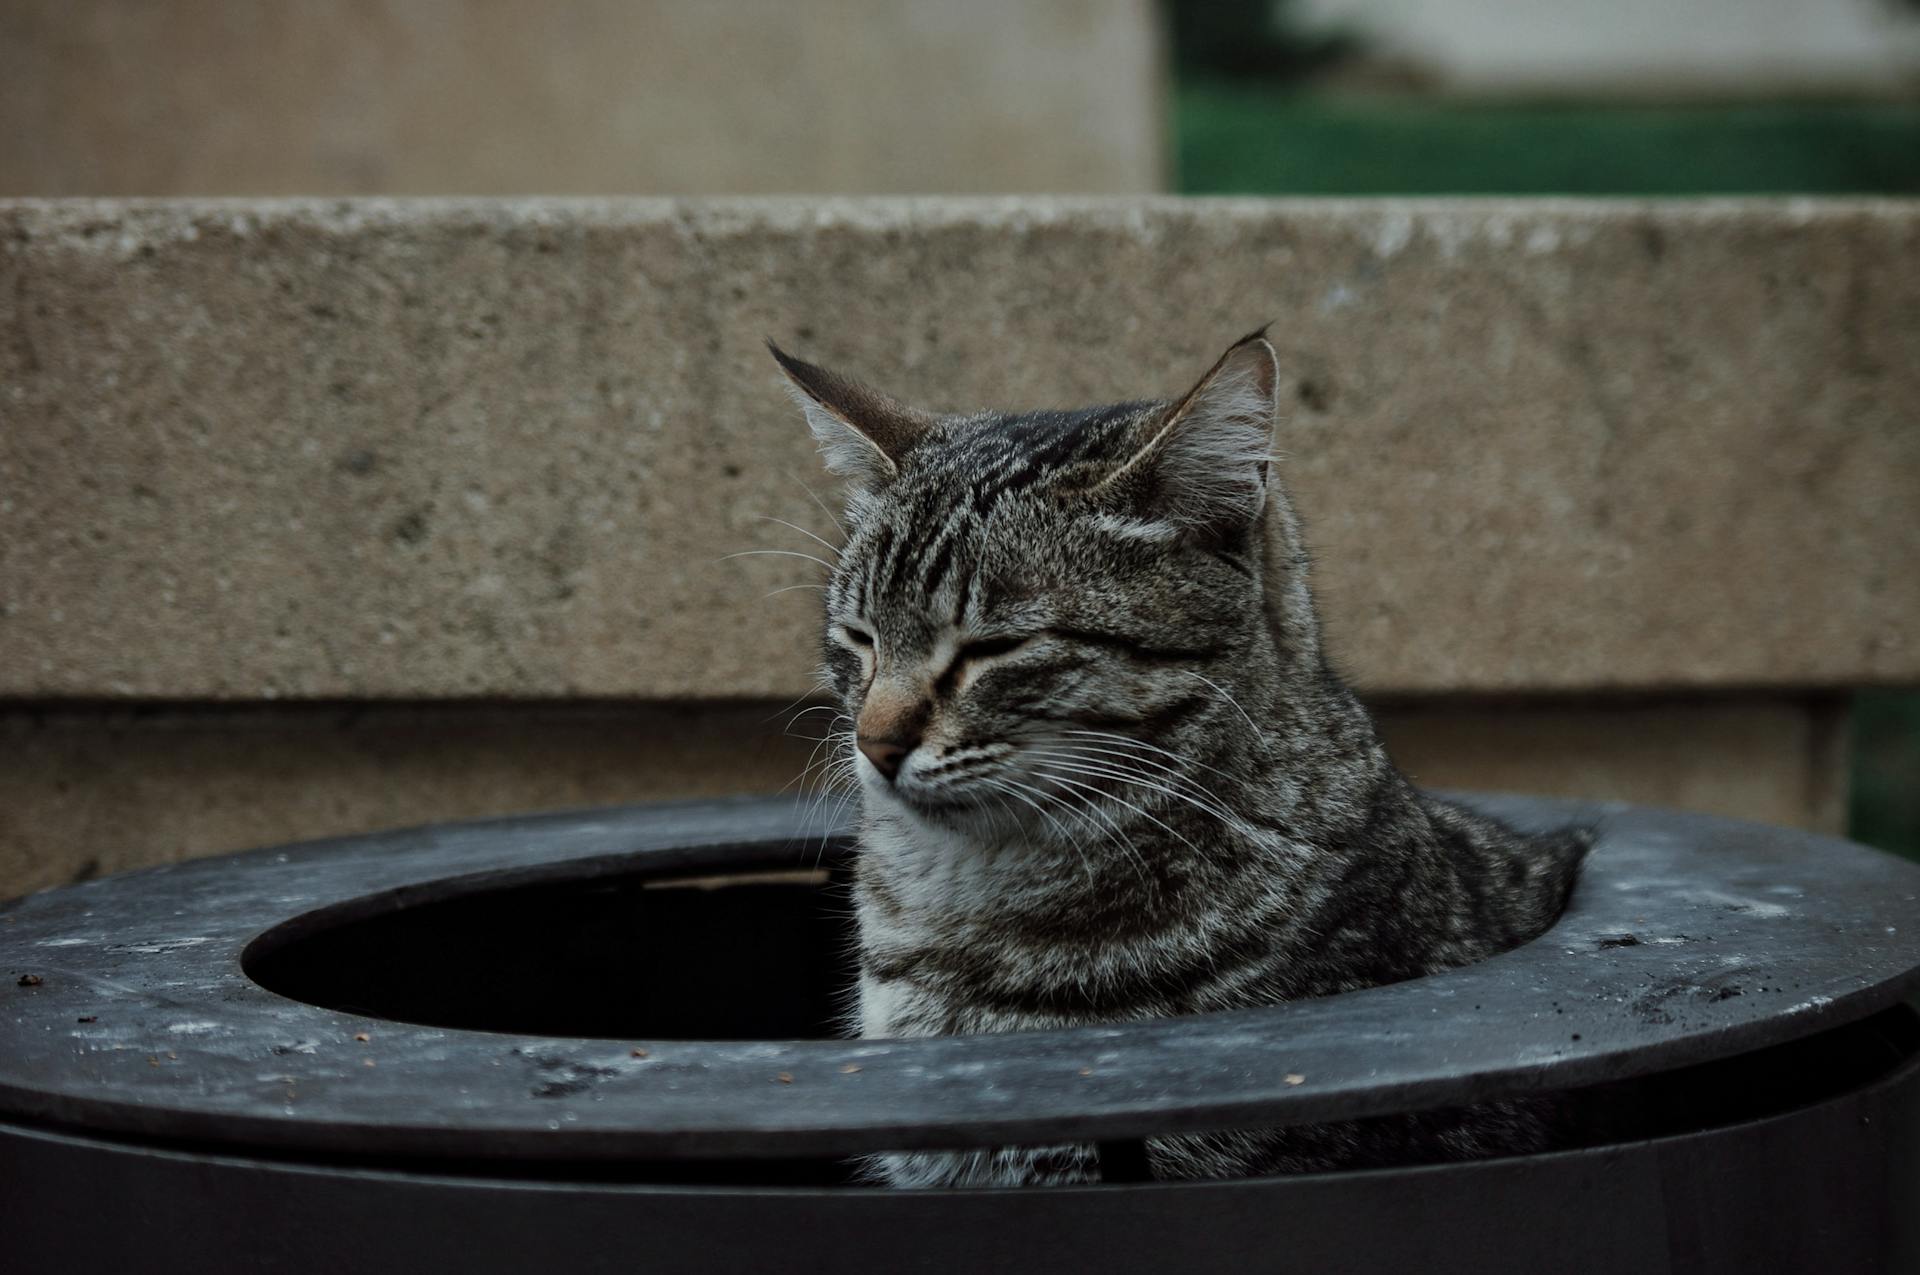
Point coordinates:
[[128, 1011]]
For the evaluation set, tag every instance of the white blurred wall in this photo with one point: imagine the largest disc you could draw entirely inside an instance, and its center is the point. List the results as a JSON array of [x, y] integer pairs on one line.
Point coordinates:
[[1739, 48]]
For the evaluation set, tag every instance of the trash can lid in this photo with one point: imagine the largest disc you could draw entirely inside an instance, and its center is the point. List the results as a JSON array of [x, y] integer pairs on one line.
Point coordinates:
[[125, 1010]]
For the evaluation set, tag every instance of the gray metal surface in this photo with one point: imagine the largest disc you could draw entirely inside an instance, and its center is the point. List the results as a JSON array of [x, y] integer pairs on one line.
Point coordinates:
[[1690, 938]]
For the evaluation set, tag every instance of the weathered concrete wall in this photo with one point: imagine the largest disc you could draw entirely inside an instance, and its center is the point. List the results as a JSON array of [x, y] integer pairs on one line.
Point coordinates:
[[425, 450], [506, 97], [86, 793], [494, 454]]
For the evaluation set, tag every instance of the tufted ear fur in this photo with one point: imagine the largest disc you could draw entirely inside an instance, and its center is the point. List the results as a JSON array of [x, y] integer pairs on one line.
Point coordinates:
[[863, 434], [1202, 464]]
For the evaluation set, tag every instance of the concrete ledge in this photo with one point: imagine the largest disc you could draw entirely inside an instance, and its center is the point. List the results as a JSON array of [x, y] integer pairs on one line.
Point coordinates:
[[498, 449], [86, 793]]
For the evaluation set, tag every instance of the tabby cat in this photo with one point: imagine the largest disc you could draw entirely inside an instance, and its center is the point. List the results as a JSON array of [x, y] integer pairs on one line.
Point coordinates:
[[1106, 771]]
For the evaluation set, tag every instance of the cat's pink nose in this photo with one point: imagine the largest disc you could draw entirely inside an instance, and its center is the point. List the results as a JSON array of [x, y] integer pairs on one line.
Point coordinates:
[[887, 754]]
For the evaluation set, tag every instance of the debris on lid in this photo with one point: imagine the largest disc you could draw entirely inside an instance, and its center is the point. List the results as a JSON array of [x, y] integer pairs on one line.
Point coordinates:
[[785, 1077], [639, 1053], [849, 1069], [30, 980], [1294, 1078], [362, 1037]]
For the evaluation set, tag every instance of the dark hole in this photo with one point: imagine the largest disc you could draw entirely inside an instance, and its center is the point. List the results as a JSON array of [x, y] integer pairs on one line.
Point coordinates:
[[744, 957]]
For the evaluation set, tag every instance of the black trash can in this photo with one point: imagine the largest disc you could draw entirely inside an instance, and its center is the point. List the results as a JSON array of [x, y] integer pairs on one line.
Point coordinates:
[[605, 1042]]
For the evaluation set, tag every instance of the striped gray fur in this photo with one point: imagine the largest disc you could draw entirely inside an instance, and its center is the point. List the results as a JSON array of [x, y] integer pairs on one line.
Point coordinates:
[[1126, 783]]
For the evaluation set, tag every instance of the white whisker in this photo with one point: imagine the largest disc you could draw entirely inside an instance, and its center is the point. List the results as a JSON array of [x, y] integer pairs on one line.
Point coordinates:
[[1066, 837], [1160, 770], [815, 497], [1141, 743], [1146, 784], [825, 544], [1257, 732], [818, 689], [817, 708], [1119, 836], [1143, 813], [774, 553]]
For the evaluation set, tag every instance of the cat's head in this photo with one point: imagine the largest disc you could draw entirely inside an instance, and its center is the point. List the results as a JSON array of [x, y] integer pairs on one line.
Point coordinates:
[[1033, 610]]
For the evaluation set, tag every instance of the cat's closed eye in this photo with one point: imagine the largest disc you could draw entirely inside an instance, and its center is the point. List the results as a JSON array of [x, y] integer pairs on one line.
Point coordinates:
[[987, 648], [856, 636], [977, 652]]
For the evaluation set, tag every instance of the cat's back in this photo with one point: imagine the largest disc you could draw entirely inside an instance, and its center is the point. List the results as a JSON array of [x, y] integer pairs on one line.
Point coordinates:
[[1516, 883]]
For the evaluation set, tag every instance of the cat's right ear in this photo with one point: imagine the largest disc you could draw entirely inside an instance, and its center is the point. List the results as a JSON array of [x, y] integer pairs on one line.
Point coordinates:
[[863, 434], [1203, 462]]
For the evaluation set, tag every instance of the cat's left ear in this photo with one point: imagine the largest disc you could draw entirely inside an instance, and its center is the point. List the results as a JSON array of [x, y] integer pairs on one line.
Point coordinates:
[[1203, 462], [863, 434]]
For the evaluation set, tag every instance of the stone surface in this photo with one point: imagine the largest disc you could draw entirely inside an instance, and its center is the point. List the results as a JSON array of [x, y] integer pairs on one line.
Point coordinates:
[[478, 97], [87, 793], [1772, 761], [84, 794], [421, 450]]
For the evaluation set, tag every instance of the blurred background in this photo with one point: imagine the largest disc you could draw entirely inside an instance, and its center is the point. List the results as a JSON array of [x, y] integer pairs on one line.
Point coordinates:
[[502, 99], [1561, 97], [1552, 97]]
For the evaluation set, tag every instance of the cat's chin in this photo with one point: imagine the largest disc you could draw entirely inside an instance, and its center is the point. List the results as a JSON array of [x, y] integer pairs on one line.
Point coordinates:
[[946, 812]]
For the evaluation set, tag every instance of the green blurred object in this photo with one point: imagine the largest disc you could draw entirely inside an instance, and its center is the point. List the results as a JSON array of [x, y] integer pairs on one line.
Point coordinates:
[[1251, 38], [1243, 136], [1885, 798]]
